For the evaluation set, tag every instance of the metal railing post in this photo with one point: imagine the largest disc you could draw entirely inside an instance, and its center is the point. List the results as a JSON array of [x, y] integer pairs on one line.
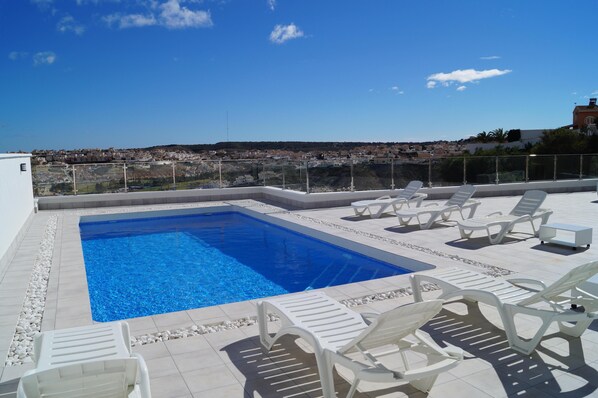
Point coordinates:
[[464, 171], [125, 176], [430, 173], [527, 168], [581, 166], [352, 185], [263, 172], [554, 171], [306, 177], [392, 174], [174, 175], [220, 173], [74, 181], [496, 169]]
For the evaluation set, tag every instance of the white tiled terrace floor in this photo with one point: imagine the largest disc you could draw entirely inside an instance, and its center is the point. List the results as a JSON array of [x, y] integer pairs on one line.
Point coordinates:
[[232, 364]]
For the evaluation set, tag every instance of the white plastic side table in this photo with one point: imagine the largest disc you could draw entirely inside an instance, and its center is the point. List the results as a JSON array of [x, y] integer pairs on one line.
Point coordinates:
[[582, 236]]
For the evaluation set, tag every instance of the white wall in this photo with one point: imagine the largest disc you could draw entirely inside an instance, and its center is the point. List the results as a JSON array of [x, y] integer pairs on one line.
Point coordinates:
[[16, 201]]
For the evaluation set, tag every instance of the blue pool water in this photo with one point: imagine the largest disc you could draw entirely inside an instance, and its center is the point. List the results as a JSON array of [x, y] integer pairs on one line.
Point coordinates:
[[149, 266]]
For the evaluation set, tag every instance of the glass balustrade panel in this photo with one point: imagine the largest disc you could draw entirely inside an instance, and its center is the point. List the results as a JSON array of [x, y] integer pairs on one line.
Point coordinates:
[[481, 170], [447, 171], [99, 178], [406, 170], [590, 166], [511, 169], [371, 175], [197, 175], [241, 173], [294, 175], [156, 176], [329, 176], [541, 168], [567, 167], [50, 180]]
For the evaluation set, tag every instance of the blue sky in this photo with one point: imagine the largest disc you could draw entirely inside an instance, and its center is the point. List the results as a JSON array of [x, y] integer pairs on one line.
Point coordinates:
[[110, 73]]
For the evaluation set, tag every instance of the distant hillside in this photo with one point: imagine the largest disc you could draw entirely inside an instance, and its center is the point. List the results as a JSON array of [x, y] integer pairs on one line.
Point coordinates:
[[295, 146]]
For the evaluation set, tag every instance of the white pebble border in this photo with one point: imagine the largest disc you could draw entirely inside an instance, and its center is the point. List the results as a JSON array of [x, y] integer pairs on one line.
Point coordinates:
[[197, 330], [30, 318]]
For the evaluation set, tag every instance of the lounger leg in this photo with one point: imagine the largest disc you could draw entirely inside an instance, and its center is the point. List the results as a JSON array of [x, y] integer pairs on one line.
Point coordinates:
[[427, 225], [465, 235], [415, 288], [516, 342], [262, 320], [424, 384], [499, 236], [574, 330], [359, 212], [403, 221], [353, 387], [325, 369], [378, 213]]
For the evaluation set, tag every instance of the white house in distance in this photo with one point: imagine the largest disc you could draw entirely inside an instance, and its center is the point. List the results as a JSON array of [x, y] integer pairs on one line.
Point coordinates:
[[527, 137]]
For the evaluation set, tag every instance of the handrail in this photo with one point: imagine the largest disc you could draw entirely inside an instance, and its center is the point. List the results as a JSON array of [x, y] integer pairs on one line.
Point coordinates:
[[352, 174]]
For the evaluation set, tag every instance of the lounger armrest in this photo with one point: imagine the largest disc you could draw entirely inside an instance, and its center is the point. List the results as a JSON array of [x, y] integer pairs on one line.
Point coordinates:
[[496, 213], [592, 315], [383, 197], [471, 203], [430, 204], [369, 317], [144, 382], [541, 213], [430, 370], [521, 282]]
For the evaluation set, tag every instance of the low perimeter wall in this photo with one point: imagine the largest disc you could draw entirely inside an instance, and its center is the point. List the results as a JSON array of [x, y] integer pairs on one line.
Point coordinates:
[[16, 203], [293, 199]]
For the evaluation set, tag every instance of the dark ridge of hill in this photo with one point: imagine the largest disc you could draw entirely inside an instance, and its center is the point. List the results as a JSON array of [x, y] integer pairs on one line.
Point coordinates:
[[296, 146]]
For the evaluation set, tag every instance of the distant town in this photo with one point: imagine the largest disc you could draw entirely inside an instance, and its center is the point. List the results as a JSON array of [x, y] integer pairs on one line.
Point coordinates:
[[252, 150]]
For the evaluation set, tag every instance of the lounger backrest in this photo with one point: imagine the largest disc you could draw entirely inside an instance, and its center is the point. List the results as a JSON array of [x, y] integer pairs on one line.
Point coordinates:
[[570, 280], [111, 378], [410, 190], [463, 194], [393, 325], [529, 203]]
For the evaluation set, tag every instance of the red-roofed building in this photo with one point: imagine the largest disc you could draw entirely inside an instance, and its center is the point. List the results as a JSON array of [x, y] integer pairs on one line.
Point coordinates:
[[586, 116]]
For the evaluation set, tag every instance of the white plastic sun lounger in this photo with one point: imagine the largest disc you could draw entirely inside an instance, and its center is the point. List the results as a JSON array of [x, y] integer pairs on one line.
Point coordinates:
[[527, 210], [85, 362], [461, 200], [379, 206], [335, 332], [516, 296]]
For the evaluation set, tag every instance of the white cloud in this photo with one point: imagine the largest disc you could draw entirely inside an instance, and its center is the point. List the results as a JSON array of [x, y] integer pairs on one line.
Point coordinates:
[[595, 92], [16, 55], [490, 57], [397, 90], [68, 24], [172, 15], [130, 20], [272, 4], [175, 16], [282, 33], [44, 58], [463, 76], [461, 88]]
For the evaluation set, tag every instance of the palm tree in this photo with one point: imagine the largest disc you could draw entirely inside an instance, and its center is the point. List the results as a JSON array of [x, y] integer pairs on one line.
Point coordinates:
[[498, 135], [482, 137]]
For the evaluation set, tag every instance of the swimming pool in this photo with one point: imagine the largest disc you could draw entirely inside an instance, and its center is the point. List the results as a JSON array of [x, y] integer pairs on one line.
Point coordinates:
[[147, 266]]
